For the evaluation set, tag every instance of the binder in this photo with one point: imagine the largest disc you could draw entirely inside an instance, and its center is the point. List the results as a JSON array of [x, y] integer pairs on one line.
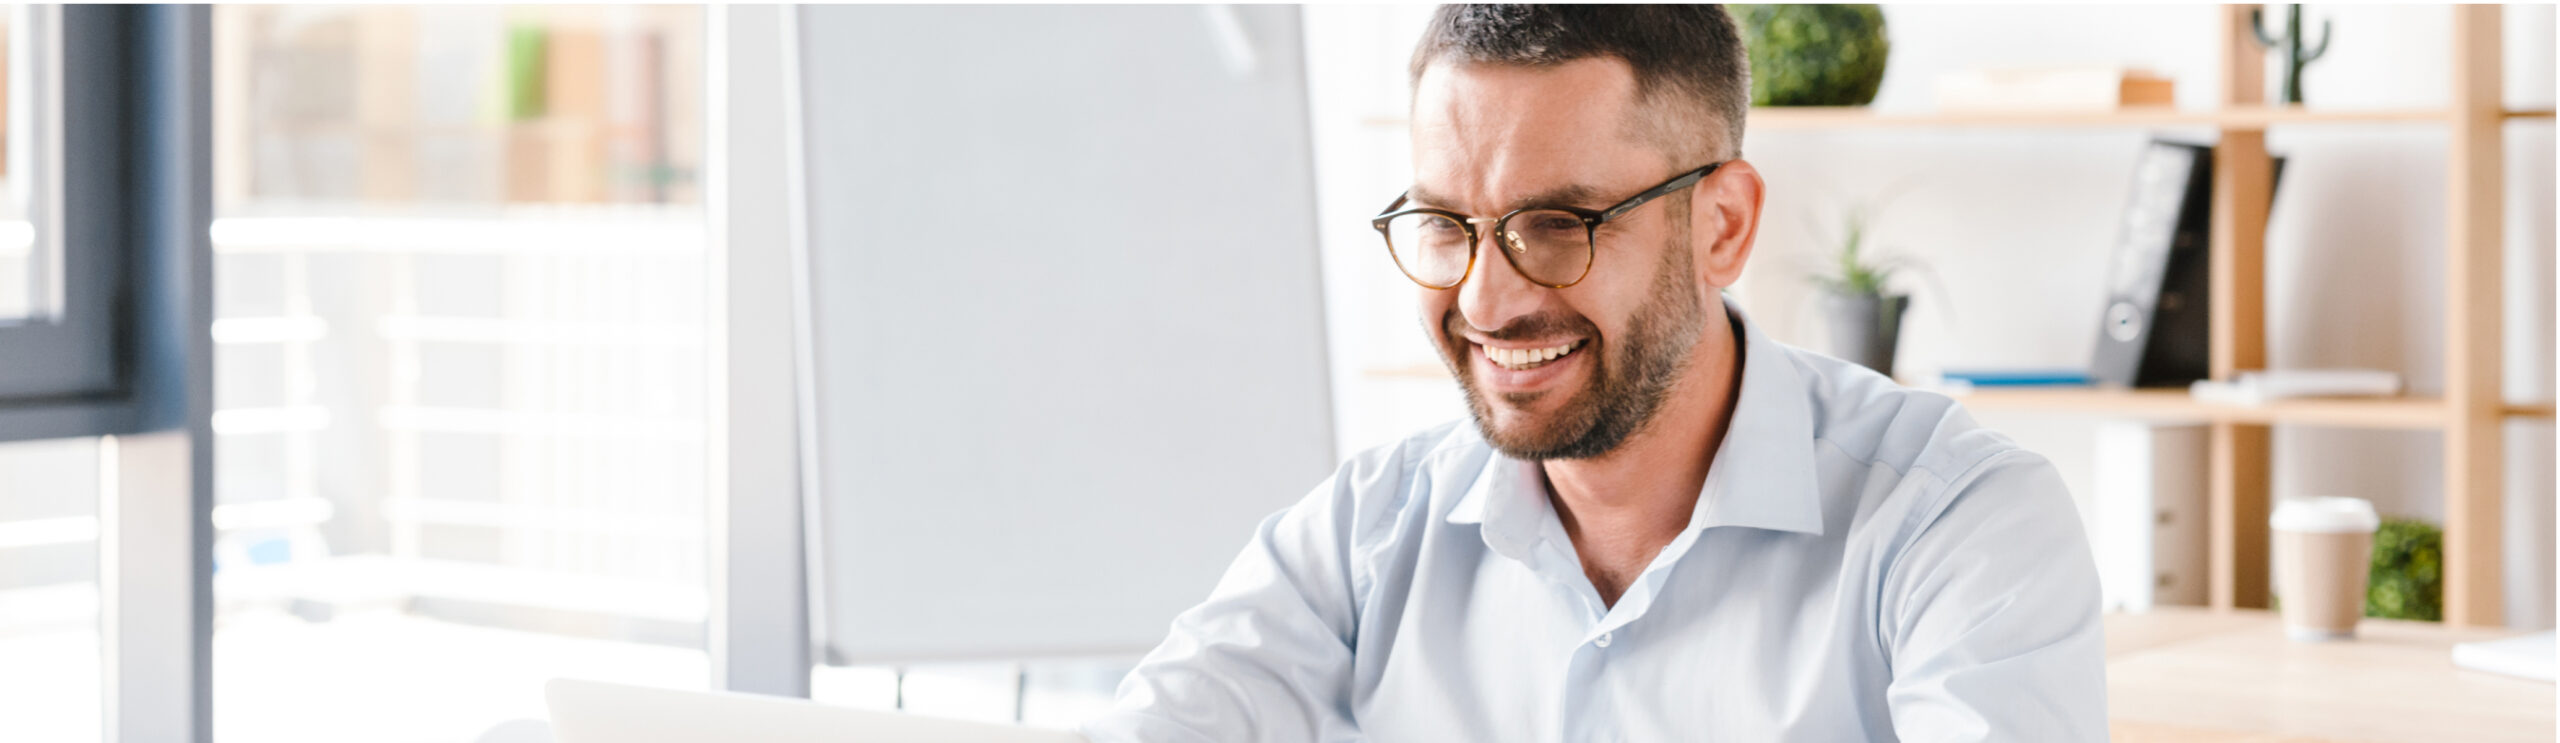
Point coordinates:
[[2155, 327]]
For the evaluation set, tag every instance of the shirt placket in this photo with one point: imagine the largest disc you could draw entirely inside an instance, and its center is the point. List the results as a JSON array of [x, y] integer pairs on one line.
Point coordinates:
[[1588, 717]]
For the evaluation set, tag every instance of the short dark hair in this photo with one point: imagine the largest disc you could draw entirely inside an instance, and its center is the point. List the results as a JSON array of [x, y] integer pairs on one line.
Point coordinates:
[[1690, 56]]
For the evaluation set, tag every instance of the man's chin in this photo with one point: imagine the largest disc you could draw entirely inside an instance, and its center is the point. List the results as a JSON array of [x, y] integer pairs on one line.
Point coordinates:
[[1523, 434], [1524, 404]]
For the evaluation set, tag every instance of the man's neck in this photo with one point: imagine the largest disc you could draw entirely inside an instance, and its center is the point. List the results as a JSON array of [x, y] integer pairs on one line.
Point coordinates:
[[1620, 509]]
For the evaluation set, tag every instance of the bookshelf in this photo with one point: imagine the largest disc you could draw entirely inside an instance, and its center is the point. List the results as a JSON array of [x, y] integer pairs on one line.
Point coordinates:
[[2245, 118], [2175, 406], [2467, 413], [352, 108]]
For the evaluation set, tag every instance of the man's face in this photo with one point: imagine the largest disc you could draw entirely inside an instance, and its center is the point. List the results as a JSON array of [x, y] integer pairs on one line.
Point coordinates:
[[1489, 139]]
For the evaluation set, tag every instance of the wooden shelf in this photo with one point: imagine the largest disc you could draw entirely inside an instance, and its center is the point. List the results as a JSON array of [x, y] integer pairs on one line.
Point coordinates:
[[2240, 118], [2177, 405], [1799, 118], [2168, 404]]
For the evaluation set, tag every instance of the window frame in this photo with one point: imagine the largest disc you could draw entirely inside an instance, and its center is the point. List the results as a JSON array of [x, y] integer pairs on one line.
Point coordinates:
[[134, 201], [102, 364], [66, 348]]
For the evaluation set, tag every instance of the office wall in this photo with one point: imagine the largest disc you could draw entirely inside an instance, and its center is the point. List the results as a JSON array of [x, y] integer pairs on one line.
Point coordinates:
[[2017, 224]]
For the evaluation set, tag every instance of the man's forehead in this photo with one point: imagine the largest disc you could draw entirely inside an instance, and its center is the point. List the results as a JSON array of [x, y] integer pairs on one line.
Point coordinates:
[[1577, 99], [1536, 135]]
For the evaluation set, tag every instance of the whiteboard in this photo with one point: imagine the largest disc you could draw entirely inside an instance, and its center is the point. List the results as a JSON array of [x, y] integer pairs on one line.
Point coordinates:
[[1066, 320]]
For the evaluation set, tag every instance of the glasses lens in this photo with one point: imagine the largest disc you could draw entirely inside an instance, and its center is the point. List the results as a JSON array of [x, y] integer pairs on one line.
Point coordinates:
[[1431, 249], [1551, 247]]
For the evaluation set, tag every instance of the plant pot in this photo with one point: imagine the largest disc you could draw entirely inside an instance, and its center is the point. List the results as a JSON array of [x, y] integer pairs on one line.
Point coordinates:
[[1865, 327]]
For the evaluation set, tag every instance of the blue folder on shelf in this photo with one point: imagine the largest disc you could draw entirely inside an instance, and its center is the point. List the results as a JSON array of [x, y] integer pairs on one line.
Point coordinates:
[[2018, 377]]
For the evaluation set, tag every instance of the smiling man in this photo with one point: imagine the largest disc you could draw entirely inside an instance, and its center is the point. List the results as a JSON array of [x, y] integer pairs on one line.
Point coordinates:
[[1660, 524]]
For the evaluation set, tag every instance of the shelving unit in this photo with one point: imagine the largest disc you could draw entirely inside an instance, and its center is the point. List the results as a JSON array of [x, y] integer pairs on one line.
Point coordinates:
[[2467, 412], [1800, 118], [2234, 118], [484, 107], [2176, 406]]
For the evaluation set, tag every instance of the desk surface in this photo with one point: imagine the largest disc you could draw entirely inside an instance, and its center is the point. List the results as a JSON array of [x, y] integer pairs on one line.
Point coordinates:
[[2179, 674]]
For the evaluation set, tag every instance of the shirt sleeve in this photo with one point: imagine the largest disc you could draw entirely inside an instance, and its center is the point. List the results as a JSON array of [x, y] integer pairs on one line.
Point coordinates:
[[1268, 657], [1991, 615]]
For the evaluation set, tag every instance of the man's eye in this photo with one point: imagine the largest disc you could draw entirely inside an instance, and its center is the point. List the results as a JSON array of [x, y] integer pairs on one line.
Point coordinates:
[[1556, 223]]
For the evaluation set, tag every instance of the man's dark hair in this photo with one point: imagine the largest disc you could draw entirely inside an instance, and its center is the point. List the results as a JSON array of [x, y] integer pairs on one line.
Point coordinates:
[[1688, 59]]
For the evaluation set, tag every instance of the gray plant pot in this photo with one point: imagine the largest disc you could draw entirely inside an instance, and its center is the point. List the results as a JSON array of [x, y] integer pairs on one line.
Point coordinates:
[[1865, 327]]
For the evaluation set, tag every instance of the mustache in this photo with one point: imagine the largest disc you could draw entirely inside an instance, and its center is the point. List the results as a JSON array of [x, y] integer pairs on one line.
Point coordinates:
[[1529, 327]]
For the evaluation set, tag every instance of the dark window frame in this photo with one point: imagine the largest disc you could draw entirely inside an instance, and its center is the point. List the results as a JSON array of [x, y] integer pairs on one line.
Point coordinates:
[[134, 217]]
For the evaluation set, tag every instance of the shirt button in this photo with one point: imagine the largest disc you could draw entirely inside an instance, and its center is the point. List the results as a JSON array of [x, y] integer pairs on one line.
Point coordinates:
[[1604, 639]]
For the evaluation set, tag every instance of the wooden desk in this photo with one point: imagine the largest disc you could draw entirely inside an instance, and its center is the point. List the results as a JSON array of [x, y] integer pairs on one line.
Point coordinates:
[[2178, 674]]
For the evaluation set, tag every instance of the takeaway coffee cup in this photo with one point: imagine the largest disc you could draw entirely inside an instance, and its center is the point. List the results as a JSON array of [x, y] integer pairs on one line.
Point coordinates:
[[2323, 548]]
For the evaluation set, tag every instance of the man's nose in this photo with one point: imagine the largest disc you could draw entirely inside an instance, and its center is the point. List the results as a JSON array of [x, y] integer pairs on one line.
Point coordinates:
[[1495, 293]]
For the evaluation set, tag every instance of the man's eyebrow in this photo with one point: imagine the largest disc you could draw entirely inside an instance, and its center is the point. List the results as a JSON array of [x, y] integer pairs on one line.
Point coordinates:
[[1567, 195], [1418, 195]]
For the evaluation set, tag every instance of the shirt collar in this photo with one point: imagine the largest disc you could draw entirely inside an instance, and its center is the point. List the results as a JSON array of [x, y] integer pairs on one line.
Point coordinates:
[[1763, 474], [1508, 497], [1762, 477]]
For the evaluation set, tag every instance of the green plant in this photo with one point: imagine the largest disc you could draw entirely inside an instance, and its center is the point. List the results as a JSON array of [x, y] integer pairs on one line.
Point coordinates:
[[2407, 580], [528, 57], [1853, 270], [1814, 55]]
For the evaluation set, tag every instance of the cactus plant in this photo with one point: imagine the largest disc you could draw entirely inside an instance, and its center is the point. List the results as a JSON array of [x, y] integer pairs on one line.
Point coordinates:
[[2295, 56]]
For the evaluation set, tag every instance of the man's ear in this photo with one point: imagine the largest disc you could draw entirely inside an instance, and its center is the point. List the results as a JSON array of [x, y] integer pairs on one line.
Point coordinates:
[[1725, 217]]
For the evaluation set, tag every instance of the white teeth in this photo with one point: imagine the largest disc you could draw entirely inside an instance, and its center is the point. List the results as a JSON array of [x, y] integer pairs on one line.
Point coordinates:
[[1521, 358]]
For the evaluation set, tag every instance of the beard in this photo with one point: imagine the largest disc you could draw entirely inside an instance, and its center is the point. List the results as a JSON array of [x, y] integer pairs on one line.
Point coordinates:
[[1627, 384]]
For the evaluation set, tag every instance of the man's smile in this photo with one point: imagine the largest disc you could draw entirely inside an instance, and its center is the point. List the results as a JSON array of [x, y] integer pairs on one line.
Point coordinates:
[[1510, 367]]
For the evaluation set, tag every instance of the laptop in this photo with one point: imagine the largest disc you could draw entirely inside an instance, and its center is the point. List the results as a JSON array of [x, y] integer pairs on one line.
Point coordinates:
[[598, 712]]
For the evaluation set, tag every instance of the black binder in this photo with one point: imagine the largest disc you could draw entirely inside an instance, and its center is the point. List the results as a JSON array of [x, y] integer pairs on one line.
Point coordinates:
[[2155, 329]]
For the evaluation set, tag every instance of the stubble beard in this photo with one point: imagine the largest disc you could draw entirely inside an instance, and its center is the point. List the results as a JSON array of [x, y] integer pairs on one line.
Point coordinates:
[[1626, 387]]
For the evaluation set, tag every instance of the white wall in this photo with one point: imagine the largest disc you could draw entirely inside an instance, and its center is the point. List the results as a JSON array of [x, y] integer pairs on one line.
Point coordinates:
[[2018, 223]]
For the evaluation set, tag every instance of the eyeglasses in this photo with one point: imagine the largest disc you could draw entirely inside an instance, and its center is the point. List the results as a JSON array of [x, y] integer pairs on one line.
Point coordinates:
[[1549, 245]]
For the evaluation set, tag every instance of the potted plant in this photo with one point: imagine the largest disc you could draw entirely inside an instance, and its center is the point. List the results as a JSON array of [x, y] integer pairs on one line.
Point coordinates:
[[2407, 579], [1859, 304], [1814, 55]]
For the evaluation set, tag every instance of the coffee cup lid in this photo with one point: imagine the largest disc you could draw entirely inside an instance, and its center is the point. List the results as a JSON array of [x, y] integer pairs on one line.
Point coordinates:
[[2325, 515]]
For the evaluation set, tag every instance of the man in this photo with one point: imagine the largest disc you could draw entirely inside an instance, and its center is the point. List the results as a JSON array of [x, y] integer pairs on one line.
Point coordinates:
[[1661, 525]]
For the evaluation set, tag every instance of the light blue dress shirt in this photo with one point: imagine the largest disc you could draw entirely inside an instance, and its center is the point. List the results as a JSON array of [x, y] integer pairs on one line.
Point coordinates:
[[1865, 563]]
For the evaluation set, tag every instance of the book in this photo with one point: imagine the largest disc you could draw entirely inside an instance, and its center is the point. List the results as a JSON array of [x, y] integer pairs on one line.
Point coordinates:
[[2258, 387], [2014, 377]]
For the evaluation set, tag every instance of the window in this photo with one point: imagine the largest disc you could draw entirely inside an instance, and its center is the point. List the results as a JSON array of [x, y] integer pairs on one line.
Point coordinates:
[[57, 376], [29, 283], [461, 415], [56, 296]]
